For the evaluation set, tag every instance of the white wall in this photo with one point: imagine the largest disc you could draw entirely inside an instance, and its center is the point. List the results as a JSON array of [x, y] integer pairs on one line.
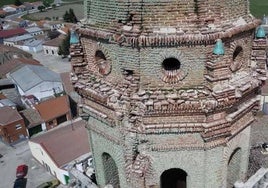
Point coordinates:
[[40, 155], [35, 49], [37, 33], [44, 127], [43, 90], [50, 50], [9, 43]]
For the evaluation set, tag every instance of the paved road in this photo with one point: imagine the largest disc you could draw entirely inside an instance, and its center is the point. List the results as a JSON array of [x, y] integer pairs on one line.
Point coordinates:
[[55, 63], [17, 155]]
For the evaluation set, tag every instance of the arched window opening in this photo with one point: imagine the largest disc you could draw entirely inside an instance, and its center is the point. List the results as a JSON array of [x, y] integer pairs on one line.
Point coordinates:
[[99, 55], [103, 64], [237, 59], [233, 168], [171, 64], [174, 178], [110, 171], [237, 55]]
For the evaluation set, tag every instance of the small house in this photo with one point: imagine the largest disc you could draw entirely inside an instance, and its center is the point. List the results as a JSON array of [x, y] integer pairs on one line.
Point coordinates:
[[12, 127], [36, 80], [57, 148], [54, 111]]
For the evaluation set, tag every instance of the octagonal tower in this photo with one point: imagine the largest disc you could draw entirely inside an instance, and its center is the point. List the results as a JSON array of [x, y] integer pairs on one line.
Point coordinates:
[[169, 88]]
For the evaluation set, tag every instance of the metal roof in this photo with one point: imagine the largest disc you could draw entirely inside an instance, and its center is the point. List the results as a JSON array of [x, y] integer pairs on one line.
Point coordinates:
[[7, 102], [19, 38], [33, 29], [33, 43], [29, 76], [5, 81]]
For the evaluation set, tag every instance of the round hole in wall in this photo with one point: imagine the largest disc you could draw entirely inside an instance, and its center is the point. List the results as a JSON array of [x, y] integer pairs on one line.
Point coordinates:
[[171, 69], [171, 64]]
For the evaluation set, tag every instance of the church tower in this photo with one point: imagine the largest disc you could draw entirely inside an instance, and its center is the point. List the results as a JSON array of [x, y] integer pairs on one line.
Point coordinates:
[[169, 88]]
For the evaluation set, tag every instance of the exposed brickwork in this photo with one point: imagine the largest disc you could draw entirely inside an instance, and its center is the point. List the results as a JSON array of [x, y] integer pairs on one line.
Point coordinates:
[[156, 95]]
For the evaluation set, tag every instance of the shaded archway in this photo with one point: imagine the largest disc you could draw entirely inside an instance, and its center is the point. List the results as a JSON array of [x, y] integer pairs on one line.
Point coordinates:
[[238, 54], [233, 168], [110, 171], [237, 59], [173, 178], [103, 64]]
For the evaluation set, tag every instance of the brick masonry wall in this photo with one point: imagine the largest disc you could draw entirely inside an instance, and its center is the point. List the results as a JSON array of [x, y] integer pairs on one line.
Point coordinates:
[[191, 59], [148, 61], [143, 143], [10, 134], [205, 168], [101, 145], [153, 16]]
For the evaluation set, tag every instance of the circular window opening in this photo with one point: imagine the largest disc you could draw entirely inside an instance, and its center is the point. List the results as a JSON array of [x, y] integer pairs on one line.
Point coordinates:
[[171, 64], [103, 64], [171, 69]]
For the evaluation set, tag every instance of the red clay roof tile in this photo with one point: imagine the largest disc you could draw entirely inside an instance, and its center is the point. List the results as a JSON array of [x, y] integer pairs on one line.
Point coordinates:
[[52, 108], [64, 144]]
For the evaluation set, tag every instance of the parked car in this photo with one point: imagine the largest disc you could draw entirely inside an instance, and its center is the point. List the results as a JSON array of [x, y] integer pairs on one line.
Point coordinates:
[[20, 183], [49, 184], [21, 171]]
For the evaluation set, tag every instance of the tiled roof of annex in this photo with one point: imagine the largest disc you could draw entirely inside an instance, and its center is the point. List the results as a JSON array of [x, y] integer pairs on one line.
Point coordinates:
[[65, 144], [8, 115], [12, 32], [53, 108]]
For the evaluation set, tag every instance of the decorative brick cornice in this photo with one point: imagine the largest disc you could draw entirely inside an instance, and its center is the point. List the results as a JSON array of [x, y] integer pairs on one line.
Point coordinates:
[[165, 40]]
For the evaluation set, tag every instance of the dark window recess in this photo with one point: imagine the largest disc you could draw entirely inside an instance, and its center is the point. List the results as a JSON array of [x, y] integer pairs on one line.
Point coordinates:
[[237, 52], [99, 55], [61, 119], [171, 64], [173, 178], [128, 72]]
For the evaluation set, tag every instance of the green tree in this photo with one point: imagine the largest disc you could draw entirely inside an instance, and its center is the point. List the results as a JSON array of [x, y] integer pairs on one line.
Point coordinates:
[[46, 3], [41, 8], [65, 45], [73, 18], [66, 16], [69, 16], [17, 2]]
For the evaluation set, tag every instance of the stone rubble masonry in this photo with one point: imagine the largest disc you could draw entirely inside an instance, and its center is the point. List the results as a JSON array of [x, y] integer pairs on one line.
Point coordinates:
[[143, 119]]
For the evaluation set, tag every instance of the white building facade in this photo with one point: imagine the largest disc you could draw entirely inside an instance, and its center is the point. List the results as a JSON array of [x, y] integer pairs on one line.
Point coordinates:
[[40, 154], [51, 50], [36, 80]]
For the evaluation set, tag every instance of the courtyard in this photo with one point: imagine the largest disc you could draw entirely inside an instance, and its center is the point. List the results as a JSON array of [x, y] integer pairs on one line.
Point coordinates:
[[259, 135], [13, 156]]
